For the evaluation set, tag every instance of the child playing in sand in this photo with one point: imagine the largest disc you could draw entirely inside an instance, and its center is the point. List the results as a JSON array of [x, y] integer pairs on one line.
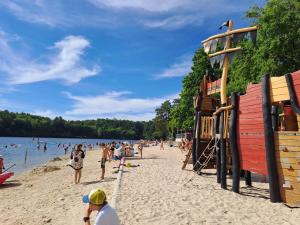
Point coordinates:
[[104, 154], [77, 156]]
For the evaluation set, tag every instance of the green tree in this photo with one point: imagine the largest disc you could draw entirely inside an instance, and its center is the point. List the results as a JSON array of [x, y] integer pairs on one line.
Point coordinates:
[[277, 50], [184, 111]]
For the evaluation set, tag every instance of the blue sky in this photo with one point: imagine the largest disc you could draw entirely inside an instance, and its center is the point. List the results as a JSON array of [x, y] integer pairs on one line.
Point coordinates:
[[86, 59]]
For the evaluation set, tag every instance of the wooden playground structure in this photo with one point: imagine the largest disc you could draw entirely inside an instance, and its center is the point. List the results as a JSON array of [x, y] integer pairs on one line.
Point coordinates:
[[256, 132]]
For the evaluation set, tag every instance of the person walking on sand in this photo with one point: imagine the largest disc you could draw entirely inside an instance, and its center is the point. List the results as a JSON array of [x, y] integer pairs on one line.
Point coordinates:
[[161, 144], [112, 150], [77, 156], [106, 215], [140, 148], [104, 153]]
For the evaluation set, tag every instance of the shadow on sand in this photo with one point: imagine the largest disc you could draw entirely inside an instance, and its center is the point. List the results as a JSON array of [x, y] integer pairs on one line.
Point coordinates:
[[134, 158], [10, 184], [255, 192], [108, 179]]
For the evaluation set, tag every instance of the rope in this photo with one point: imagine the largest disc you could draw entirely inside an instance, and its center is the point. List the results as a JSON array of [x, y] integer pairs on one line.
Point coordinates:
[[207, 158]]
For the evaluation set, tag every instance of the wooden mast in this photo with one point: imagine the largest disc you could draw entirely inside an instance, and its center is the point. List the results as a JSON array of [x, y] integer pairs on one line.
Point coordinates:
[[225, 68], [222, 112]]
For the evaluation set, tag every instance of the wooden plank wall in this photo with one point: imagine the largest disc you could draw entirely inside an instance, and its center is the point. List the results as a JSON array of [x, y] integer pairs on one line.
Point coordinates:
[[296, 82], [298, 120], [278, 89], [213, 87], [288, 156], [207, 104], [251, 141], [287, 144]]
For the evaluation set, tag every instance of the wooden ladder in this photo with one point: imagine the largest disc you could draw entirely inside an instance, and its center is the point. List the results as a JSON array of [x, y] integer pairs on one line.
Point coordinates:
[[187, 158]]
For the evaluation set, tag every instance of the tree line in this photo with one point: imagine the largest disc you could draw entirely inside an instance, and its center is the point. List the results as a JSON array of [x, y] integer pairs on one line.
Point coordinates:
[[276, 51], [26, 125]]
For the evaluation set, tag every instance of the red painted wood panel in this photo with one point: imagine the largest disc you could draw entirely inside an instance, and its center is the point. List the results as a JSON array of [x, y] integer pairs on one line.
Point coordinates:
[[296, 81], [254, 166], [250, 129]]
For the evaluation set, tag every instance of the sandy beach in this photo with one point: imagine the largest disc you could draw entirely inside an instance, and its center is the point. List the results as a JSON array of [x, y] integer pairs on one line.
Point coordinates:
[[40, 197], [150, 194]]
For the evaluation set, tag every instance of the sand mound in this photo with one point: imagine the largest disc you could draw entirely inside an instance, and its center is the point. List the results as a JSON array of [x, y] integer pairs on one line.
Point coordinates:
[[55, 159], [44, 169]]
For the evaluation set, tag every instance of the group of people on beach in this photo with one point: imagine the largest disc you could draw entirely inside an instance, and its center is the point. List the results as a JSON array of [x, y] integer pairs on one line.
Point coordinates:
[[108, 152], [96, 199]]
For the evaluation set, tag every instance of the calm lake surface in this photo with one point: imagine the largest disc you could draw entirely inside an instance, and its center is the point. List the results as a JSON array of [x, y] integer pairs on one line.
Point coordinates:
[[13, 149]]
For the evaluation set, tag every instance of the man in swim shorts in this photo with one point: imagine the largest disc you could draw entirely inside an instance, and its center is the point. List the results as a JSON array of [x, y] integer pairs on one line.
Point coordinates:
[[104, 153]]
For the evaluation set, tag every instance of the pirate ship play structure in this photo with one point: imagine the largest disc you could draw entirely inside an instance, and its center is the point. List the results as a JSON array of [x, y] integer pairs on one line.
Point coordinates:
[[256, 132]]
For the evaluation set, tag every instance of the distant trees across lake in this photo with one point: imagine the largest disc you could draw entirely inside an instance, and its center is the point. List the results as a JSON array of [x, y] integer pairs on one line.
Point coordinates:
[[27, 125]]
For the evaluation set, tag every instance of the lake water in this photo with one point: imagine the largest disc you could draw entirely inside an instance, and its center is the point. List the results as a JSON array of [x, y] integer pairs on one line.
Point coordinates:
[[13, 149]]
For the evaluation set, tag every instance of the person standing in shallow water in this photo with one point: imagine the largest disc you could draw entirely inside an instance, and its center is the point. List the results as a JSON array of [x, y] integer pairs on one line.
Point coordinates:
[[77, 156], [161, 144]]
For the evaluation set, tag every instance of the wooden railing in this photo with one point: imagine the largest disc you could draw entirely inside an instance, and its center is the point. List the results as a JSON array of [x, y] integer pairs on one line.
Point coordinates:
[[213, 87], [207, 127]]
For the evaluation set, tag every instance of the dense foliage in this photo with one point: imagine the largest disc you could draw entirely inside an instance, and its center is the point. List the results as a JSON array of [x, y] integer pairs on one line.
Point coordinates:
[[26, 125], [277, 51]]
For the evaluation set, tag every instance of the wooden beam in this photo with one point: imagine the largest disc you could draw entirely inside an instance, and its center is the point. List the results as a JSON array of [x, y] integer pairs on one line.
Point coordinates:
[[223, 109], [237, 31], [225, 51]]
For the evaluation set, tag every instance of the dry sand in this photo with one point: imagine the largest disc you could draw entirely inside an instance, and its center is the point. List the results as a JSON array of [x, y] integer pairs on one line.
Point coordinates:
[[48, 195], [150, 194], [154, 194]]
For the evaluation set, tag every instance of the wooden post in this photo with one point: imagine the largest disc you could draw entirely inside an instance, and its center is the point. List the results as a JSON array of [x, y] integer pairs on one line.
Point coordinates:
[[270, 142], [222, 115], [248, 178], [225, 68], [274, 118], [293, 97], [198, 104], [234, 145], [198, 144], [194, 139], [223, 152], [218, 153]]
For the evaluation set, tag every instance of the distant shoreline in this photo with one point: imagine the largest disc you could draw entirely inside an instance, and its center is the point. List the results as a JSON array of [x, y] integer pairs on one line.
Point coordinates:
[[88, 138]]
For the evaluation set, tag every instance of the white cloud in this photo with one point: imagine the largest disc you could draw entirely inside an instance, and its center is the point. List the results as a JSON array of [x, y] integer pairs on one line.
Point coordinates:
[[173, 22], [114, 105], [33, 11], [153, 5], [58, 13], [46, 113], [169, 14], [178, 69], [65, 65]]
